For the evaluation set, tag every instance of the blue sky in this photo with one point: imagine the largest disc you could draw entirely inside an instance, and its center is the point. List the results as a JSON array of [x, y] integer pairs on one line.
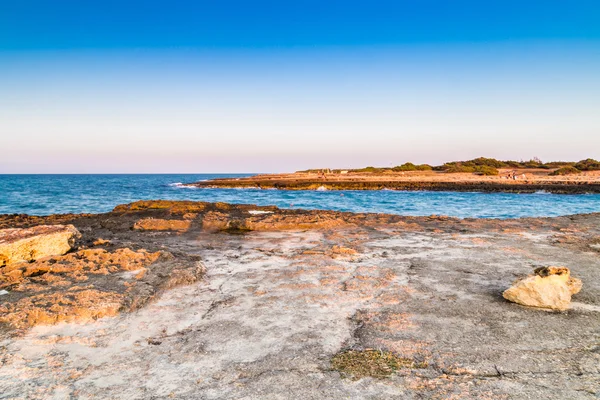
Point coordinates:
[[224, 86]]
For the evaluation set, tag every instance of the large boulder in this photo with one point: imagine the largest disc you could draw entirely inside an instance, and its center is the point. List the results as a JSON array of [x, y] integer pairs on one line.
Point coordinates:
[[547, 287], [30, 244]]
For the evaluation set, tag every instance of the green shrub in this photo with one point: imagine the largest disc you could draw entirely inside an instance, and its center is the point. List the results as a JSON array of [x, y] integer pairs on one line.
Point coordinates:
[[424, 167], [534, 163], [568, 170], [488, 162], [455, 168], [485, 170], [558, 164], [405, 167], [588, 165], [411, 167], [513, 164], [369, 169]]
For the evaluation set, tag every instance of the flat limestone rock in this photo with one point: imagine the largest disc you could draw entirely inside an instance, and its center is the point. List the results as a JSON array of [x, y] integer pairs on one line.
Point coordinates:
[[547, 287], [30, 244]]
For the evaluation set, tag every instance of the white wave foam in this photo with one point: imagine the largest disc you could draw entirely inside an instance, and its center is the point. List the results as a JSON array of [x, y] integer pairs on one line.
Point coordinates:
[[182, 185]]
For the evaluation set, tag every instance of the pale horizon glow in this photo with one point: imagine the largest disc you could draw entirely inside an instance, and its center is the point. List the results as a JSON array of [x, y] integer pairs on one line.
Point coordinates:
[[281, 110]]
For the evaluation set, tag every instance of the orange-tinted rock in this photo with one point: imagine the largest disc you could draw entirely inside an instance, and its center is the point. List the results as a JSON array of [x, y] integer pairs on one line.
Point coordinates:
[[74, 266], [88, 284], [342, 250], [215, 221], [30, 244], [547, 287], [275, 222], [100, 242], [77, 305], [174, 207], [153, 224]]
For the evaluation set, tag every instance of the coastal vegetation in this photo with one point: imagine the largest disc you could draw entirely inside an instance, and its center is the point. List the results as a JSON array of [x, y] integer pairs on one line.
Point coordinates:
[[412, 167], [567, 170], [475, 169], [588, 165], [476, 175], [374, 363], [479, 166]]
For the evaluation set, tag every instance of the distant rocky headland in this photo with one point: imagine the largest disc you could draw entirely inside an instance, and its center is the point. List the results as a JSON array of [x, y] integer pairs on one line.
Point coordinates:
[[478, 175], [182, 299]]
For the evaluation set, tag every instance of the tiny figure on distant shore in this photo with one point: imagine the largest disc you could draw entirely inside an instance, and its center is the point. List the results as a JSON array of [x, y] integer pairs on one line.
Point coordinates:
[[512, 175]]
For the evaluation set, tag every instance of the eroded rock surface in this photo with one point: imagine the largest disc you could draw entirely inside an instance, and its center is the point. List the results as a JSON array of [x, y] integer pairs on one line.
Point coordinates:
[[154, 224], [415, 180], [87, 285], [349, 306], [29, 244]]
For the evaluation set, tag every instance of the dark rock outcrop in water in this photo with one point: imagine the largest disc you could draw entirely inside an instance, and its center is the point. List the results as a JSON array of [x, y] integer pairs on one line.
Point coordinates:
[[213, 300], [559, 187]]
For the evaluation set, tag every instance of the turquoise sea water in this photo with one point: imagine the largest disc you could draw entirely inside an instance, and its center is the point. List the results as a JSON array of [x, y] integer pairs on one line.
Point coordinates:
[[50, 194]]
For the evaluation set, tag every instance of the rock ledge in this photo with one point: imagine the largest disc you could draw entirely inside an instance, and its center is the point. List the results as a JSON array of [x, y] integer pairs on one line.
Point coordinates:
[[19, 245]]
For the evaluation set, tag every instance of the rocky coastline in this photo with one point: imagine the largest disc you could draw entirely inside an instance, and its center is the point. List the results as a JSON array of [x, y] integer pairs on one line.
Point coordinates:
[[419, 181], [486, 187], [181, 299]]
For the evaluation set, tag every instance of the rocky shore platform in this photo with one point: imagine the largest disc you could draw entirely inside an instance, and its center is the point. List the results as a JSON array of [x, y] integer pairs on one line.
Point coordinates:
[[527, 182], [190, 300]]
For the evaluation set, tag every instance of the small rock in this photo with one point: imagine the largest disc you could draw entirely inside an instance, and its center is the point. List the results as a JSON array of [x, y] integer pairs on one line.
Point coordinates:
[[30, 244], [547, 287], [343, 250], [100, 242]]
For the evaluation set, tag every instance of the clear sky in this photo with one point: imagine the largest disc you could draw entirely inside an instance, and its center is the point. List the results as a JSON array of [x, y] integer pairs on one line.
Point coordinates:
[[264, 86]]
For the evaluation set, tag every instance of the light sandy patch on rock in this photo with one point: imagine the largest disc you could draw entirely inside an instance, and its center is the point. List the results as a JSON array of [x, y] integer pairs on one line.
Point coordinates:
[[584, 307], [343, 250], [19, 245], [547, 287], [259, 212]]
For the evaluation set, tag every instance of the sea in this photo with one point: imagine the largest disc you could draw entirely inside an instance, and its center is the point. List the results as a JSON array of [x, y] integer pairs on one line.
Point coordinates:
[[54, 194]]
